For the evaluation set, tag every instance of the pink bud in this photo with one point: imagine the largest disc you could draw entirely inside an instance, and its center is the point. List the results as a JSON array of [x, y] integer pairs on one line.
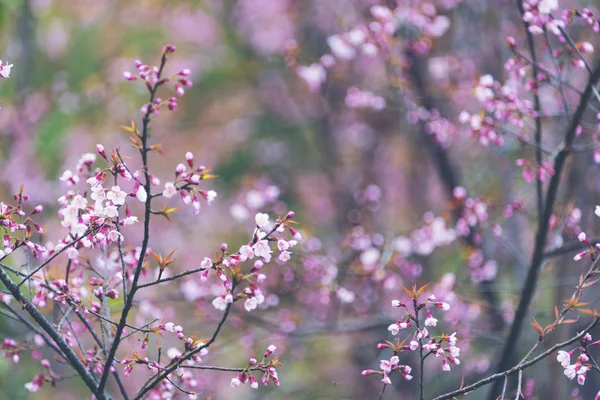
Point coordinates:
[[510, 41], [368, 372], [270, 350], [172, 105], [190, 158], [180, 169], [586, 47], [127, 75]]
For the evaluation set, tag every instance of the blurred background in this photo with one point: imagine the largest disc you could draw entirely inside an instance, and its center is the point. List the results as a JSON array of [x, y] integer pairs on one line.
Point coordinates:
[[363, 180]]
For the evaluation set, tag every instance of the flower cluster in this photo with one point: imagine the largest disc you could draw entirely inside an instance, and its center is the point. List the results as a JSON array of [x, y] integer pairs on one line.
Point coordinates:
[[538, 16], [582, 364], [582, 237], [267, 368], [442, 346], [11, 350], [370, 39], [228, 266], [357, 98], [544, 171], [423, 241], [19, 227], [129, 363], [499, 103], [389, 366], [152, 76], [473, 212], [186, 182], [590, 18], [434, 124], [47, 376]]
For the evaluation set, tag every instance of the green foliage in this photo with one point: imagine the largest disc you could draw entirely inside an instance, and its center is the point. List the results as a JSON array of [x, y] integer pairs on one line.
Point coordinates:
[[49, 141], [232, 170]]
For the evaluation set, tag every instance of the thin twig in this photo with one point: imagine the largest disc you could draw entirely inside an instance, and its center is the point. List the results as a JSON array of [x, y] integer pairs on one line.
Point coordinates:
[[382, 391], [504, 388], [223, 369], [421, 358], [520, 381], [557, 67]]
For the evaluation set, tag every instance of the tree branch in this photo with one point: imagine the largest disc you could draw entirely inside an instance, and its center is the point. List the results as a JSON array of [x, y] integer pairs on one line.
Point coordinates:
[[129, 301]]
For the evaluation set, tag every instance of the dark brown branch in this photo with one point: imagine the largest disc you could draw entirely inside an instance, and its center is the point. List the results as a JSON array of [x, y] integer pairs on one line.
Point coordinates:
[[382, 391]]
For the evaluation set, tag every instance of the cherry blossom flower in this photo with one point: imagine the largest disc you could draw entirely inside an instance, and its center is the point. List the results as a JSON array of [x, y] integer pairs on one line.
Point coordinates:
[[430, 321], [284, 256], [170, 190], [262, 249], [314, 75], [116, 195], [206, 263], [570, 371], [356, 98], [211, 195], [141, 194], [261, 220], [341, 48], [219, 303], [38, 380], [547, 6], [5, 69]]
